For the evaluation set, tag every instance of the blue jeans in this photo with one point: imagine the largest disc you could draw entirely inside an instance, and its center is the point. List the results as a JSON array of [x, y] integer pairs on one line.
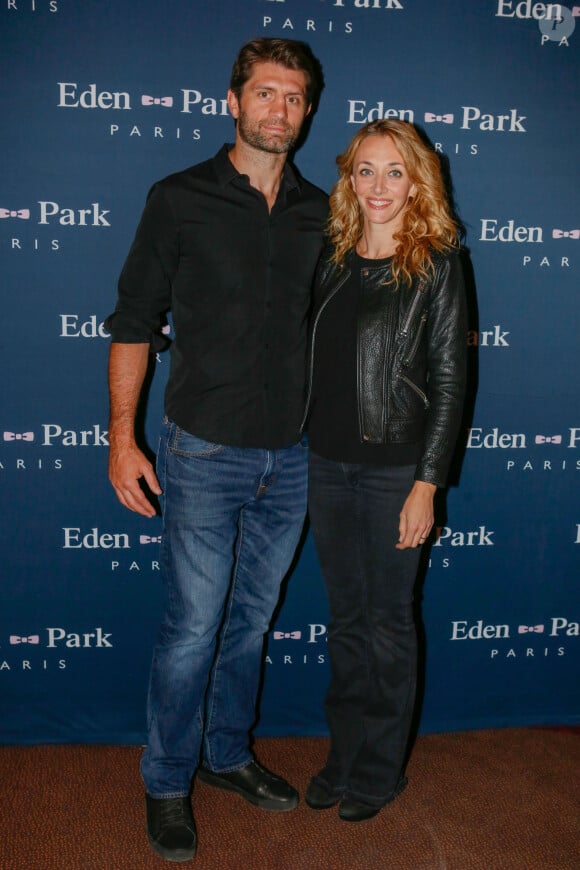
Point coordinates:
[[232, 518], [372, 645]]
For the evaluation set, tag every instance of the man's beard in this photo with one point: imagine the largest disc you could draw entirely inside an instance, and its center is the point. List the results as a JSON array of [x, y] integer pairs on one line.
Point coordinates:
[[253, 135]]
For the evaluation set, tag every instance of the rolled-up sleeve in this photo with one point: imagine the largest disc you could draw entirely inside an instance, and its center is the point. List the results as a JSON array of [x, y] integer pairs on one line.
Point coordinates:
[[147, 276]]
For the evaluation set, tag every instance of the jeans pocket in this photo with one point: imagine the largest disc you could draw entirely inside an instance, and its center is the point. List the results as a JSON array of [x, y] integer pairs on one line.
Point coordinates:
[[182, 443]]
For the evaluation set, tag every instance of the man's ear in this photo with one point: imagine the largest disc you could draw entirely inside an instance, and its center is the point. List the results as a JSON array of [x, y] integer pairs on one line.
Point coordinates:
[[233, 104]]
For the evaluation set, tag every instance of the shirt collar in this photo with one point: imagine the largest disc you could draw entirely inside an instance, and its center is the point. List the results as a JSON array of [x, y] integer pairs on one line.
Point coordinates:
[[226, 171]]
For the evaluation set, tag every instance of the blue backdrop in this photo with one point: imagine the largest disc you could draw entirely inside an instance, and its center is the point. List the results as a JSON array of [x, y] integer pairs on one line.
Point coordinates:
[[101, 98]]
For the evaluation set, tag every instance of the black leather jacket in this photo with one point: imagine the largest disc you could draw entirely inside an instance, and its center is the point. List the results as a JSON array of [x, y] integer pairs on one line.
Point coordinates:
[[412, 344]]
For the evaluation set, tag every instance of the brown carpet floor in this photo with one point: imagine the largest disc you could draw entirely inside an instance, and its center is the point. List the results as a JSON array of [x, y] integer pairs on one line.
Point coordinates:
[[480, 800]]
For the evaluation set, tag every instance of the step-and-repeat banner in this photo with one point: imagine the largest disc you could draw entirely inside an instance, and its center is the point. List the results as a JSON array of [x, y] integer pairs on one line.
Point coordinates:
[[98, 99]]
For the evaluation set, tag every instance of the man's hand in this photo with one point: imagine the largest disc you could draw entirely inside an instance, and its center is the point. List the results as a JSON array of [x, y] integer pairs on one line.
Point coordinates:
[[416, 518], [127, 464], [126, 468]]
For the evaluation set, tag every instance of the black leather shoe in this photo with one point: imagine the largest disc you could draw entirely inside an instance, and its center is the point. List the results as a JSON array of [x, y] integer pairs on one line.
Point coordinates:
[[351, 810], [319, 798], [171, 828], [256, 784]]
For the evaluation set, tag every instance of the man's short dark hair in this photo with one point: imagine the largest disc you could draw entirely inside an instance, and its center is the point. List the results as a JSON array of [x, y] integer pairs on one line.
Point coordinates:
[[286, 52]]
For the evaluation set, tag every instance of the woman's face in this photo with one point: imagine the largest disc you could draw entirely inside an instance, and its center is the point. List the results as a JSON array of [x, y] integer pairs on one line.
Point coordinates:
[[381, 182]]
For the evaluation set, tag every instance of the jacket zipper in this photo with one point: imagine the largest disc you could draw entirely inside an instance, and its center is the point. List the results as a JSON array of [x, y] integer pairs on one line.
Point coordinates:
[[411, 355], [412, 309], [311, 360], [416, 389]]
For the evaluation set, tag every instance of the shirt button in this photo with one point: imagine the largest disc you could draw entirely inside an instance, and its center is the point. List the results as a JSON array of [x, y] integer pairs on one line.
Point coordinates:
[[365, 272], [366, 437]]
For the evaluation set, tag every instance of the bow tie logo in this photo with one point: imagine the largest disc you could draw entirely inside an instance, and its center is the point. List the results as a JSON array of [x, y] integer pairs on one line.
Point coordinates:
[[32, 638], [566, 234], [526, 629], [145, 539], [430, 118], [22, 213], [287, 635], [548, 439], [146, 100], [19, 436]]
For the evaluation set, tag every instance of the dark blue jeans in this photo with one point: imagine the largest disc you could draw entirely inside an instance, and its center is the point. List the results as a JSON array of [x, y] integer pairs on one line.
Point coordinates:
[[372, 645], [232, 518]]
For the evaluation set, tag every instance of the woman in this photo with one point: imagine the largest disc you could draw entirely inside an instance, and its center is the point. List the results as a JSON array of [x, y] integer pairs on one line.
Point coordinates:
[[385, 400]]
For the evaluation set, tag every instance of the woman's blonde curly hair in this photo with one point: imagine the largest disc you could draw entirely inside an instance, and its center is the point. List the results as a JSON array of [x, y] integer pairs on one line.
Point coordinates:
[[427, 221]]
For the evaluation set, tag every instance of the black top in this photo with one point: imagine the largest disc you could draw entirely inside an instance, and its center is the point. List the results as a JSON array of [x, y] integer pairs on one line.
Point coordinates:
[[237, 279], [333, 430]]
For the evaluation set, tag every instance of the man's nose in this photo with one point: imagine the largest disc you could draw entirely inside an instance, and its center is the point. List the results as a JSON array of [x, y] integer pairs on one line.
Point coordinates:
[[279, 105]]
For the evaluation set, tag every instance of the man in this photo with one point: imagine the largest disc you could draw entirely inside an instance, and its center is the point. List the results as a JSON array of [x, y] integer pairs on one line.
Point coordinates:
[[230, 246]]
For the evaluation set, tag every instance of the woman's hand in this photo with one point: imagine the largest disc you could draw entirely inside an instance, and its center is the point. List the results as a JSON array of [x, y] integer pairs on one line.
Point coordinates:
[[416, 518]]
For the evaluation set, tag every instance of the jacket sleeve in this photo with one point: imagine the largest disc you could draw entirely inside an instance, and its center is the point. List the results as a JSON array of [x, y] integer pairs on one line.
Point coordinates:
[[446, 366]]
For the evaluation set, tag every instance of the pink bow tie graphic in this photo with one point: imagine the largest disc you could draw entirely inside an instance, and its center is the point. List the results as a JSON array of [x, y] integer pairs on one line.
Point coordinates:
[[146, 100], [524, 629], [32, 638], [22, 213], [548, 439], [145, 539], [430, 118], [287, 635], [566, 234], [19, 436]]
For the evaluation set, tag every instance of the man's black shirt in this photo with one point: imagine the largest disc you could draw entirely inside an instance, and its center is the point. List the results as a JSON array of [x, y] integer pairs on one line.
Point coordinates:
[[237, 280]]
